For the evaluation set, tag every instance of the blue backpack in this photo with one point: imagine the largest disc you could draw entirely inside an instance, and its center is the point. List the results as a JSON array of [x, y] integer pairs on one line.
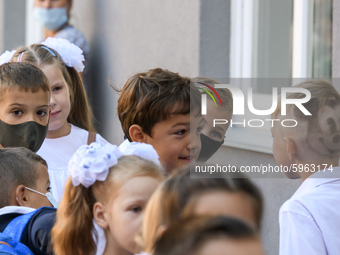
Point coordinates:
[[10, 239]]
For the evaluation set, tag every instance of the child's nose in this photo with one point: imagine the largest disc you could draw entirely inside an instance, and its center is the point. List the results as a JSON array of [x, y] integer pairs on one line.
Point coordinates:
[[32, 117], [52, 101]]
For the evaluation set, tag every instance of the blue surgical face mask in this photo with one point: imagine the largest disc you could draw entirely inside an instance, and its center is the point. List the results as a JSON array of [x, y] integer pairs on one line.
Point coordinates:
[[52, 18], [48, 195]]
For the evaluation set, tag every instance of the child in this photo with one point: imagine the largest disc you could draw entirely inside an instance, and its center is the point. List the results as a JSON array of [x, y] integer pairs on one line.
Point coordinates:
[[24, 187], [24, 106], [112, 187], [213, 137], [71, 123], [54, 16], [206, 235], [162, 108], [181, 196], [309, 220]]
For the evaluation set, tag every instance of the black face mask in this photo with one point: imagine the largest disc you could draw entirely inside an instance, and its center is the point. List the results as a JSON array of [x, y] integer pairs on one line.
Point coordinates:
[[29, 134], [208, 148]]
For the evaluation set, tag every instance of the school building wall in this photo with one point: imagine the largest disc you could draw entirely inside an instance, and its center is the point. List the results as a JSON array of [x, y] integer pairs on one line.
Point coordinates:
[[190, 37]]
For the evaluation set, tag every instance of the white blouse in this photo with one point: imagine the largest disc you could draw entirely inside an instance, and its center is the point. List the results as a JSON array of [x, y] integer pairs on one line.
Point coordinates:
[[310, 220], [58, 151]]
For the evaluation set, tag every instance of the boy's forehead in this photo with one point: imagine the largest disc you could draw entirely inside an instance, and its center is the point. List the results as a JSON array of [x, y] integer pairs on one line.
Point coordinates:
[[21, 94], [18, 91], [179, 118]]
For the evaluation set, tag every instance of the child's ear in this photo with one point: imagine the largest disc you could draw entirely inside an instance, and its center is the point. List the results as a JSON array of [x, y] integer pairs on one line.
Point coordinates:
[[290, 148], [100, 215], [136, 133], [160, 231], [21, 195]]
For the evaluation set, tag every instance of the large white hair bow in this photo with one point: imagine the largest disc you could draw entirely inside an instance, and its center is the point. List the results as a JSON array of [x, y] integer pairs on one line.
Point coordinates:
[[92, 162], [142, 150], [71, 54], [6, 56]]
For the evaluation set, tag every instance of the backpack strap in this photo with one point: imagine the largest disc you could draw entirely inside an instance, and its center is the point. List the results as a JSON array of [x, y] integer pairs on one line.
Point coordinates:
[[91, 138], [1, 242], [16, 227], [11, 247]]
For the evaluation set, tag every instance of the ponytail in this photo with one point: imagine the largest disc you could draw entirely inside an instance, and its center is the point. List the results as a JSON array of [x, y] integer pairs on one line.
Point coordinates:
[[72, 232]]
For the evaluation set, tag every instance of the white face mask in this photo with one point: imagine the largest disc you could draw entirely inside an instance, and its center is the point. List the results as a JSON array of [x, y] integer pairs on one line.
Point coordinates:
[[52, 18], [48, 195]]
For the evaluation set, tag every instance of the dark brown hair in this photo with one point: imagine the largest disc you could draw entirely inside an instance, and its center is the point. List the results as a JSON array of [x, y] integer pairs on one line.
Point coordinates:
[[24, 76], [151, 97], [18, 166]]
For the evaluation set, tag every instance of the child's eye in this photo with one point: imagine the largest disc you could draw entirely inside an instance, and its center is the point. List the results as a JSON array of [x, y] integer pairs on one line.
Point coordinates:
[[57, 88], [42, 113], [136, 209], [49, 188], [17, 112], [181, 132]]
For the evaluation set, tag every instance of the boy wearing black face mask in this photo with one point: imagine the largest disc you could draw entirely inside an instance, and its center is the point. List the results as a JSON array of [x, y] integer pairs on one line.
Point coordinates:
[[24, 188], [213, 137], [24, 106]]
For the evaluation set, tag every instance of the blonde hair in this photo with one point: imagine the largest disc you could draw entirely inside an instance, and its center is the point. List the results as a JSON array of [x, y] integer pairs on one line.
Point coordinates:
[[41, 55], [322, 92], [225, 94], [72, 232], [175, 198], [188, 236], [318, 126]]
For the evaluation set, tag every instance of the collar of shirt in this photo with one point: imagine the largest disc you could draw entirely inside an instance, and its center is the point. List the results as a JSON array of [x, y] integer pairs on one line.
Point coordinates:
[[16, 209], [318, 179]]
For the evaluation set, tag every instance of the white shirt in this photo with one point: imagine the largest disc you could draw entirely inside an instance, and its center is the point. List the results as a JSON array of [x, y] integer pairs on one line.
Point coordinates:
[[58, 151], [16, 209], [310, 219]]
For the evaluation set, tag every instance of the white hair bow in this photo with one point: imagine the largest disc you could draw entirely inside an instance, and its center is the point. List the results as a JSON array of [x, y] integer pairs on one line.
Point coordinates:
[[92, 162], [71, 54]]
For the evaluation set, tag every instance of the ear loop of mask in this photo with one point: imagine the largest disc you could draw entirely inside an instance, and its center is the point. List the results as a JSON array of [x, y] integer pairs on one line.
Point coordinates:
[[48, 195], [17, 201]]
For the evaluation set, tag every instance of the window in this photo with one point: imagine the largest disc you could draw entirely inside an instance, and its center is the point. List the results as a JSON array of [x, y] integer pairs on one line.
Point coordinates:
[[275, 43]]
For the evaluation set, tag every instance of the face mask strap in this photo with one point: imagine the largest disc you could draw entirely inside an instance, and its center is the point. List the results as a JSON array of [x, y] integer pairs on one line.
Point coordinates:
[[36, 191], [48, 195]]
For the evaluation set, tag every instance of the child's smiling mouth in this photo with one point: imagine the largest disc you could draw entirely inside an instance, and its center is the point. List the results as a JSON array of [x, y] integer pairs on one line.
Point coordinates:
[[187, 158], [53, 114]]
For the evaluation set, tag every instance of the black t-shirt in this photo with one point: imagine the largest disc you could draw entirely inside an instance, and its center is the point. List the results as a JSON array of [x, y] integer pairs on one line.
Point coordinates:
[[36, 235]]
